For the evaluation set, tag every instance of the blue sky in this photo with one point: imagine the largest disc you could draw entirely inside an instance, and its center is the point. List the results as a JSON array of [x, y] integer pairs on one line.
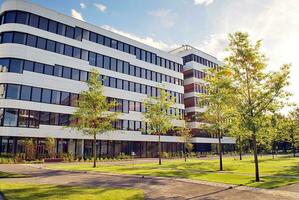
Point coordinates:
[[166, 24]]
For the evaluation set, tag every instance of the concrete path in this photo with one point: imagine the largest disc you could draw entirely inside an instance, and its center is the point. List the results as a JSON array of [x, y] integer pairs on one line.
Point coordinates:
[[154, 188]]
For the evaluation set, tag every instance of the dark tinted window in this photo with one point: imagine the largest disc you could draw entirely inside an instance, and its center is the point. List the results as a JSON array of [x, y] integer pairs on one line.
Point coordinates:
[[10, 17], [51, 45], [132, 50], [113, 64], [114, 44], [143, 73], [120, 46], [126, 48], [22, 17], [125, 106], [75, 74], [120, 66], [7, 37], [45, 118], [39, 68], [13, 91], [59, 48], [48, 69], [83, 76], [92, 58], [132, 70], [43, 23], [28, 65], [25, 93], [54, 118], [67, 72], [77, 52], [55, 97], [16, 65], [125, 85], [137, 71], [10, 117], [19, 38], [57, 70], [41, 43], [36, 94], [99, 60], [61, 29], [84, 54], [112, 82], [119, 84], [78, 33], [68, 50], [65, 98], [46, 96], [34, 119], [132, 87], [31, 40], [100, 39], [106, 62], [33, 20], [126, 68], [53, 26], [23, 118], [70, 32], [93, 37], [107, 41], [85, 34]]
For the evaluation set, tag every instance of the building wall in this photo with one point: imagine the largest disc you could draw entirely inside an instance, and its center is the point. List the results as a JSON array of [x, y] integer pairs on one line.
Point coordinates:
[[162, 70]]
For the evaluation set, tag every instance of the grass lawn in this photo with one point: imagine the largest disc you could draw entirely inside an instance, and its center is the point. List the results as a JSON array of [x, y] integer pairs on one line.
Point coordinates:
[[22, 191], [10, 175], [274, 172]]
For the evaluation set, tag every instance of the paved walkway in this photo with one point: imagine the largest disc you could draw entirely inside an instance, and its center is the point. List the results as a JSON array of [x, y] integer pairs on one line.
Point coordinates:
[[154, 188]]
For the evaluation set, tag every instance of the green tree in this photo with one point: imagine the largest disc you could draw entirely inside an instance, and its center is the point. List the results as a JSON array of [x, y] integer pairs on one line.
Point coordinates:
[[50, 147], [30, 149], [292, 128], [236, 130], [218, 99], [158, 117], [186, 135], [93, 116], [257, 91]]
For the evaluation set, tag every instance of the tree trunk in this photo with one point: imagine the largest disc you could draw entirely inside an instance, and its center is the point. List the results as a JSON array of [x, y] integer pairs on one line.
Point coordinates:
[[273, 151], [159, 149], [185, 152], [220, 150], [293, 146], [240, 148], [94, 149], [257, 175]]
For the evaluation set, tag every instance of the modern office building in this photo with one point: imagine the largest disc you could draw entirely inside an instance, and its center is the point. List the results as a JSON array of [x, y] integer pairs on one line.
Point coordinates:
[[45, 59], [195, 66]]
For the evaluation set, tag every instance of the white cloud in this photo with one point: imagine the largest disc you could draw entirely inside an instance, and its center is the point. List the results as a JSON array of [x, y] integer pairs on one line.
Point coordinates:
[[82, 5], [77, 15], [164, 16], [202, 2], [100, 7], [214, 45], [146, 40], [276, 23]]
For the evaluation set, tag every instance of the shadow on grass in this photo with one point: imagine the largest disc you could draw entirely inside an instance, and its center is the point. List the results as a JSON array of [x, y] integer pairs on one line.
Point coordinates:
[[26, 192]]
